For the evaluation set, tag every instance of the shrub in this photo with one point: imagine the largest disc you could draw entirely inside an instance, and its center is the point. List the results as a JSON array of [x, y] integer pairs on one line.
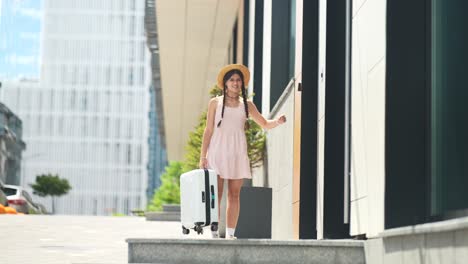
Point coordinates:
[[169, 191]]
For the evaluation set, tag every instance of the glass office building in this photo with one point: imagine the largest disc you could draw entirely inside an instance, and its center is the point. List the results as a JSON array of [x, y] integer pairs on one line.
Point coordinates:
[[87, 120], [157, 158], [157, 141]]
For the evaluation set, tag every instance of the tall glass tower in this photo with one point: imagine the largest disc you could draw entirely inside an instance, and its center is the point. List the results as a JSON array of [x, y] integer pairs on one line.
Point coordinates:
[[157, 152], [157, 160], [87, 120]]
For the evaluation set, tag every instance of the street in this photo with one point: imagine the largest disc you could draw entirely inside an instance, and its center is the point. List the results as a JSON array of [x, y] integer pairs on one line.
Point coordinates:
[[49, 239]]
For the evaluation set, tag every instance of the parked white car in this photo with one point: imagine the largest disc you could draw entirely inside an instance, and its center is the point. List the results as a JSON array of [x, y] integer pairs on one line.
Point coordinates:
[[20, 199]]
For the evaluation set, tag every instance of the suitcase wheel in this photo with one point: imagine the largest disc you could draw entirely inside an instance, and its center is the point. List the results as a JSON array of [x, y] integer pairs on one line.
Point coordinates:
[[198, 229], [214, 227], [185, 231]]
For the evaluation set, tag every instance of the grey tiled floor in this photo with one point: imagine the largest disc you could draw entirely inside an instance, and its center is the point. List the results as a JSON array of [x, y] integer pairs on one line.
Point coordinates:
[[46, 239]]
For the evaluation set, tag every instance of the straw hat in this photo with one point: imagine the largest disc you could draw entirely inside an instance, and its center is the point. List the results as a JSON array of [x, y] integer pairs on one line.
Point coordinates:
[[244, 70]]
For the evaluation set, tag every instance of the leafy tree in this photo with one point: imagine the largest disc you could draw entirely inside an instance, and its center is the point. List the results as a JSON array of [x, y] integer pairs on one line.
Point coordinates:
[[193, 147], [169, 191], [48, 184], [255, 140]]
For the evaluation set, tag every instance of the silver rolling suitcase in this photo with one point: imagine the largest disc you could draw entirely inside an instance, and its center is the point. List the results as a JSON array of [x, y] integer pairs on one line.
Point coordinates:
[[199, 200]]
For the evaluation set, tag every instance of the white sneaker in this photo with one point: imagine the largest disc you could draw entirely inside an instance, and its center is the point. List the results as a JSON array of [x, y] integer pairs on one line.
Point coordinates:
[[231, 237]]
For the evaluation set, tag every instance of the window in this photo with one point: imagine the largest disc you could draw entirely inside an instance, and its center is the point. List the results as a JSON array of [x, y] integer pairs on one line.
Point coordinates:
[[107, 127], [405, 127], [131, 51], [72, 104], [129, 154], [139, 155], [282, 47], [142, 50], [131, 26], [95, 127], [117, 153], [83, 127], [449, 113], [60, 126], [85, 74], [107, 101], [141, 76], [106, 152], [121, 24], [84, 101], [27, 100], [118, 76], [9, 191], [121, 5], [107, 76], [130, 76], [52, 100], [130, 103], [292, 39], [74, 75], [39, 125], [117, 128], [426, 146], [94, 101], [39, 101], [114, 102], [47, 125], [129, 129], [18, 101]]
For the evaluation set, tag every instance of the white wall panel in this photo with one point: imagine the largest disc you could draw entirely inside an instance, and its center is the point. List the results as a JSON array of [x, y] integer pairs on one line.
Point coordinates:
[[321, 114], [266, 64], [280, 170], [368, 117]]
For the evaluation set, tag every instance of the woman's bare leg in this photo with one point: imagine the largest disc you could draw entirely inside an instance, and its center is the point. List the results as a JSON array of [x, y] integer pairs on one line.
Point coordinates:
[[233, 202], [220, 195]]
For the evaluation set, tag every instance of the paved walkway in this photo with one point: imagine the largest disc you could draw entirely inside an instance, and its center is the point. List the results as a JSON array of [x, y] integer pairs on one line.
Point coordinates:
[[45, 239]]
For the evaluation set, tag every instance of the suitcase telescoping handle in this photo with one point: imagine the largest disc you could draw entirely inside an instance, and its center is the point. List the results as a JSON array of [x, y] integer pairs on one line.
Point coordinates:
[[205, 198]]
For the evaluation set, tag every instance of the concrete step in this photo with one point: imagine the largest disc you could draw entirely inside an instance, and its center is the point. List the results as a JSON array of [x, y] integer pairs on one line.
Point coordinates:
[[162, 216], [171, 207], [209, 251]]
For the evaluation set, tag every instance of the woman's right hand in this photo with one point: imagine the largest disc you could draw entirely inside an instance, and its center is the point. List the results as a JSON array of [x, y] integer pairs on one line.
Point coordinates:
[[203, 164]]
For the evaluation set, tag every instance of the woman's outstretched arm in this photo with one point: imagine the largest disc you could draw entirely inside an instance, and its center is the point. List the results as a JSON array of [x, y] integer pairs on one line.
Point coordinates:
[[261, 121], [210, 119]]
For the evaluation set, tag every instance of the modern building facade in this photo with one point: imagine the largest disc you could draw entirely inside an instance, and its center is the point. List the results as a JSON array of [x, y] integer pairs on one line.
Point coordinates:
[[87, 121], [11, 146], [374, 147], [157, 159]]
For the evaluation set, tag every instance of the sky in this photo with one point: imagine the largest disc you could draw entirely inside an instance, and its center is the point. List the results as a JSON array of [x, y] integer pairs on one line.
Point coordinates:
[[20, 29]]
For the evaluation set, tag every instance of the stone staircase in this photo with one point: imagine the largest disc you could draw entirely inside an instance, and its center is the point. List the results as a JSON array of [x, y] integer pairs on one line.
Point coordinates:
[[211, 251], [170, 212]]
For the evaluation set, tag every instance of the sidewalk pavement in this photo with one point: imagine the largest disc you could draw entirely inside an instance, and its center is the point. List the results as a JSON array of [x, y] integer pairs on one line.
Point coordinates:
[[50, 239]]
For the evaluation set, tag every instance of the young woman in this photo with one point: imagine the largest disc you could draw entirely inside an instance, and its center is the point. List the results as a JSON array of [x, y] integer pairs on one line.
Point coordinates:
[[224, 147]]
